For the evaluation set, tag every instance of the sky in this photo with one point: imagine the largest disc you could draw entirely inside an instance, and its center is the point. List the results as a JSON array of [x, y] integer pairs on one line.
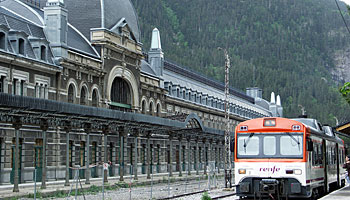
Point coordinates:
[[346, 1]]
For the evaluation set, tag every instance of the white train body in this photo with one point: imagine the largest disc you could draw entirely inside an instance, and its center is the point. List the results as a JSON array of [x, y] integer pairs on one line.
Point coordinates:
[[297, 163]]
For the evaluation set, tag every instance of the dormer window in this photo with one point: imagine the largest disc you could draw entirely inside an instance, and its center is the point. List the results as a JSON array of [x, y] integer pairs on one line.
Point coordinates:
[[21, 46], [43, 53], [2, 41]]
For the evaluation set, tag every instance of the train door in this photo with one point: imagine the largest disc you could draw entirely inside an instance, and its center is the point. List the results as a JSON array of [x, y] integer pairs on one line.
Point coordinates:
[[13, 150], [38, 148], [325, 166], [337, 164]]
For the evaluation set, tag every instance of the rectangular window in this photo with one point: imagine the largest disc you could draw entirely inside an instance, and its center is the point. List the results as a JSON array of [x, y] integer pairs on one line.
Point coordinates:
[[248, 146], [14, 86], [2, 83], [270, 145], [291, 145], [21, 88]]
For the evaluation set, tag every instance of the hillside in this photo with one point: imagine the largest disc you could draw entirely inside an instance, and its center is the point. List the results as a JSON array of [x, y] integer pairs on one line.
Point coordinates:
[[278, 45]]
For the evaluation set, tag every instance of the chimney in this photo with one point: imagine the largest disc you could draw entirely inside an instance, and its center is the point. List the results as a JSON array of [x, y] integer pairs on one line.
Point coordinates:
[[273, 107], [56, 26], [279, 107], [254, 92]]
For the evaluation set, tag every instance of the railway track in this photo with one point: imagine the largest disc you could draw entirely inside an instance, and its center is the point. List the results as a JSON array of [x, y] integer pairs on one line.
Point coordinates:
[[198, 192]]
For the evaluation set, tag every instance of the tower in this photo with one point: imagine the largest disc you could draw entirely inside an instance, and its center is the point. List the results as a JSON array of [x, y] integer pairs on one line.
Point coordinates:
[[56, 26], [156, 55]]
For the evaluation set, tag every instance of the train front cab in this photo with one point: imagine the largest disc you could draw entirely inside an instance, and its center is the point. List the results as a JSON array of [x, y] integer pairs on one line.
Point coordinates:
[[270, 161]]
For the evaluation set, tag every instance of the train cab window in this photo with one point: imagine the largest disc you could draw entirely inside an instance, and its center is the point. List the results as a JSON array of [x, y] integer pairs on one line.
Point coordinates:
[[269, 145]]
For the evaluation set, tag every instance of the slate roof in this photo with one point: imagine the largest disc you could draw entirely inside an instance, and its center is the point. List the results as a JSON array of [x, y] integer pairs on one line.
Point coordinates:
[[23, 17], [86, 14], [146, 68]]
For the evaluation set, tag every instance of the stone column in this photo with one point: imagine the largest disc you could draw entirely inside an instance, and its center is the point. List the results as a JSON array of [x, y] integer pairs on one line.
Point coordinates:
[[197, 156], [67, 157], [135, 154], [44, 128], [180, 156], [204, 158], [149, 156], [121, 157], [170, 165], [189, 155], [87, 171], [105, 138], [17, 126]]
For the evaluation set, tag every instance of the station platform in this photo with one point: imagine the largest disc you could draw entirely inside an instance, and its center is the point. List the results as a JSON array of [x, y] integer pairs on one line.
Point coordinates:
[[341, 194]]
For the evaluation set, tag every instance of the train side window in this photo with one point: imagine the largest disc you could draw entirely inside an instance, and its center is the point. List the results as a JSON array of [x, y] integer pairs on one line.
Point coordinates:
[[314, 155]]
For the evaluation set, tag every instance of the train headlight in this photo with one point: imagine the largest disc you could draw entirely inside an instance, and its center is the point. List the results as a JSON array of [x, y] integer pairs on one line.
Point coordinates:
[[295, 171], [241, 171]]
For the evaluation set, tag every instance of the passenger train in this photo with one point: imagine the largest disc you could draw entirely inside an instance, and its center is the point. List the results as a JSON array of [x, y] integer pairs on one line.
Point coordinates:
[[287, 158]]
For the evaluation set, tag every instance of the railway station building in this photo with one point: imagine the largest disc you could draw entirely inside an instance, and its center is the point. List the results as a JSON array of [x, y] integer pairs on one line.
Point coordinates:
[[77, 89]]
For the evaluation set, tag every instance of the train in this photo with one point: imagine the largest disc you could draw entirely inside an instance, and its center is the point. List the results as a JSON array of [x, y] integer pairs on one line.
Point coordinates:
[[279, 158]]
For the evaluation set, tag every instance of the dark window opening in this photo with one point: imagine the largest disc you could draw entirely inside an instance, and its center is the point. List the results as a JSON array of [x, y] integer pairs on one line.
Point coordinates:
[[94, 98], [21, 46], [43, 53], [2, 40], [151, 108], [143, 107], [83, 96], [14, 84], [2, 83], [71, 94], [120, 95]]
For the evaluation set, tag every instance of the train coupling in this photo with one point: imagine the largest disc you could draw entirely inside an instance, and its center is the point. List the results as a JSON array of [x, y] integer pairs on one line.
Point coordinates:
[[269, 186]]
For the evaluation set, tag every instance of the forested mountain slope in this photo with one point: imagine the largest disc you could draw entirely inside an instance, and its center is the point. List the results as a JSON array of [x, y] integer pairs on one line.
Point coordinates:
[[278, 45]]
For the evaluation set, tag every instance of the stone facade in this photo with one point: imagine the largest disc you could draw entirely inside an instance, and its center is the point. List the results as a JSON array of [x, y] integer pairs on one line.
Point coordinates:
[[43, 57]]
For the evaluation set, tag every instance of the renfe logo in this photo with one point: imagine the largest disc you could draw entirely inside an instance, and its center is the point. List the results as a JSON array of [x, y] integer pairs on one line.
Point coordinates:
[[272, 169]]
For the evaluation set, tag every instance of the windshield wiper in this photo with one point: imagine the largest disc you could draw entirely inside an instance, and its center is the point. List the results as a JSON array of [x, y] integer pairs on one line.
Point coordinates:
[[295, 140], [246, 143]]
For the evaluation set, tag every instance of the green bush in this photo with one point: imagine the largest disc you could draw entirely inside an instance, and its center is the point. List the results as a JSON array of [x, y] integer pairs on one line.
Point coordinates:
[[206, 196]]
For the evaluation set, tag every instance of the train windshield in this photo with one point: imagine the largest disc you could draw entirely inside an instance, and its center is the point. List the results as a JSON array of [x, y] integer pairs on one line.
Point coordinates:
[[270, 145]]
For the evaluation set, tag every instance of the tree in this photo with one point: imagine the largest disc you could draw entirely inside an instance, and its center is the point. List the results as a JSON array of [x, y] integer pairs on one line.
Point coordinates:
[[345, 91]]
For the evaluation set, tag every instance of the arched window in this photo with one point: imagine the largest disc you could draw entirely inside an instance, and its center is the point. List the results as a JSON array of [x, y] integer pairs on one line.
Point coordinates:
[[2, 40], [151, 108], [158, 110], [184, 94], [200, 99], [94, 98], [189, 96], [43, 52], [21, 46], [169, 90], [206, 101], [83, 96], [71, 93], [178, 92], [120, 95], [143, 107], [195, 97]]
